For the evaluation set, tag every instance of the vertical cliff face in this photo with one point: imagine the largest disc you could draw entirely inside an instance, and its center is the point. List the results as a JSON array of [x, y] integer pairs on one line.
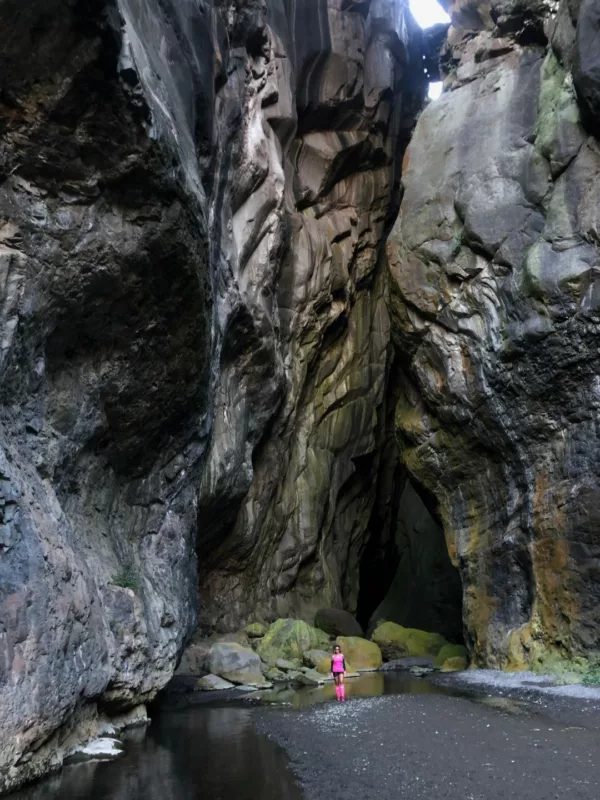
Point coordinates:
[[193, 199], [104, 363], [221, 398], [326, 106], [494, 265]]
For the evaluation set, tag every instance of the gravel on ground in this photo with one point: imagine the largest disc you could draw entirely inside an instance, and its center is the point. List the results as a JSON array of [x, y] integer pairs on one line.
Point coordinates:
[[409, 747]]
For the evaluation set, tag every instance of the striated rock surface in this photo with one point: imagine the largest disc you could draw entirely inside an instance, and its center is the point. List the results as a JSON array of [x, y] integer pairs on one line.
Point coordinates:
[[222, 402], [494, 267], [104, 362], [290, 483], [193, 331]]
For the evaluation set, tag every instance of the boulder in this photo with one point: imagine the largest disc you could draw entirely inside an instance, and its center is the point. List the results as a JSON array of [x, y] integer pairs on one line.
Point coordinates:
[[420, 672], [398, 642], [407, 664], [213, 683], [273, 674], [309, 678], [361, 653], [103, 749], [313, 658], [255, 630], [193, 659], [287, 665], [455, 664], [336, 622], [289, 639], [324, 665], [451, 651], [235, 663]]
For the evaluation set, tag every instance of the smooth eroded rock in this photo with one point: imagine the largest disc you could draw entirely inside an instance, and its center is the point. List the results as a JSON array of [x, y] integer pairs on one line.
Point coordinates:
[[235, 663], [312, 658], [194, 658], [213, 683], [361, 654], [336, 622]]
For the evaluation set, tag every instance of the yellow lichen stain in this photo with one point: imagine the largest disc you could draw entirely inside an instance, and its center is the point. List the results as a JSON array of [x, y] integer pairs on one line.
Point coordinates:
[[519, 648], [478, 534], [555, 606], [480, 608]]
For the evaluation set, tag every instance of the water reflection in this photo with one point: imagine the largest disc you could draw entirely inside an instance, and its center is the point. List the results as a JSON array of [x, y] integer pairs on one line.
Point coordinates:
[[210, 752], [198, 753], [369, 684]]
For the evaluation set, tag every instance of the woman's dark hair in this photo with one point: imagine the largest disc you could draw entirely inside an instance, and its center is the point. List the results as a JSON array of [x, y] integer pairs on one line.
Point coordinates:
[[336, 647]]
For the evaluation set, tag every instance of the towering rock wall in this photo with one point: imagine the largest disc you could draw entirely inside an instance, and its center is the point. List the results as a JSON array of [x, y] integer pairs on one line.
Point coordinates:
[[494, 264], [209, 368], [194, 331], [290, 482]]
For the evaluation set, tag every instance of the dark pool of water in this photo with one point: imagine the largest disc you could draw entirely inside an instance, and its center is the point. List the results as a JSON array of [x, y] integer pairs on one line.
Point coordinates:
[[208, 752]]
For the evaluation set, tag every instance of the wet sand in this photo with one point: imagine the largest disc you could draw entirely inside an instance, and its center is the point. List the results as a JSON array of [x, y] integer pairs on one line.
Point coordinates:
[[430, 746]]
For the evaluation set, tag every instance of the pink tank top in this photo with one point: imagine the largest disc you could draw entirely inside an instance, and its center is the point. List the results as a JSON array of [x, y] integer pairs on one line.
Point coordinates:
[[338, 662]]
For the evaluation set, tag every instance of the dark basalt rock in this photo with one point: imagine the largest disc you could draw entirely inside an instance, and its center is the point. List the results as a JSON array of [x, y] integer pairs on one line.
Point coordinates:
[[193, 331], [214, 387], [493, 265], [586, 64], [337, 622]]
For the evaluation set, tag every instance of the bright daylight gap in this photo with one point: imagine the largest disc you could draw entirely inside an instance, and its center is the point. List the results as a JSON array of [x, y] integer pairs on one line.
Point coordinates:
[[427, 13]]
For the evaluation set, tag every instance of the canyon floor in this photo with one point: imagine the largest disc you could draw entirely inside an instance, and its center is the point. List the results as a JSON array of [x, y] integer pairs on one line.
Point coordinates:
[[470, 736], [520, 741]]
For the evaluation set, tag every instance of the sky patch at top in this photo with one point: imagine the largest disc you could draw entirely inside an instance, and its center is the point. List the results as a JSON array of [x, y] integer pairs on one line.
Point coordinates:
[[428, 12]]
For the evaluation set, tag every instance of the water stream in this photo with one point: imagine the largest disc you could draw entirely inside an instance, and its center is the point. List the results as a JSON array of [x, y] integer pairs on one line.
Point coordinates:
[[208, 752]]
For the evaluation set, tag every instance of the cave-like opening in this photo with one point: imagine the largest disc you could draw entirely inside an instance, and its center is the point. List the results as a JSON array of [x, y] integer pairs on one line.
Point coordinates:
[[406, 575]]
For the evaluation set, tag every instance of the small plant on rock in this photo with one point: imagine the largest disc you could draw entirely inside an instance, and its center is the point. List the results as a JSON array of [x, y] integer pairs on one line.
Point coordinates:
[[592, 678], [127, 578]]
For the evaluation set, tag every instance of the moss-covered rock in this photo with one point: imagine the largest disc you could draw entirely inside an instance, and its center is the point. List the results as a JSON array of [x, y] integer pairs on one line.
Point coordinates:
[[309, 678], [324, 665], [455, 664], [398, 642], [288, 664], [273, 674], [255, 630], [290, 639], [360, 653], [313, 658], [451, 651]]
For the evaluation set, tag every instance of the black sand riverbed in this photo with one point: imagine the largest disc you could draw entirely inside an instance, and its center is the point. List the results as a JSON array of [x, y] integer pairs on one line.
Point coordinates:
[[409, 747]]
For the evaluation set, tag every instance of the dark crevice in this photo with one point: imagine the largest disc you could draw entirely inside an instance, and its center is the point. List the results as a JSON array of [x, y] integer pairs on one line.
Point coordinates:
[[406, 575]]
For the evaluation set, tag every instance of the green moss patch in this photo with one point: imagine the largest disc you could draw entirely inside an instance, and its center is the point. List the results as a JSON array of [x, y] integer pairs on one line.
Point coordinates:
[[398, 642]]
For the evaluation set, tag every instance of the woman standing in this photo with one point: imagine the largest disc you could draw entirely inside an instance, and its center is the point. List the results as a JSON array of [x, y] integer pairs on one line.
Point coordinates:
[[338, 672]]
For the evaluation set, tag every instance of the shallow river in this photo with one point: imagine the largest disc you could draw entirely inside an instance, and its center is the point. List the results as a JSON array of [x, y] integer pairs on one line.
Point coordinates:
[[208, 752]]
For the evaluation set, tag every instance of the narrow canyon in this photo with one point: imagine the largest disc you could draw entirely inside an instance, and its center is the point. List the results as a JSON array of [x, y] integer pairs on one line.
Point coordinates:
[[278, 334]]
